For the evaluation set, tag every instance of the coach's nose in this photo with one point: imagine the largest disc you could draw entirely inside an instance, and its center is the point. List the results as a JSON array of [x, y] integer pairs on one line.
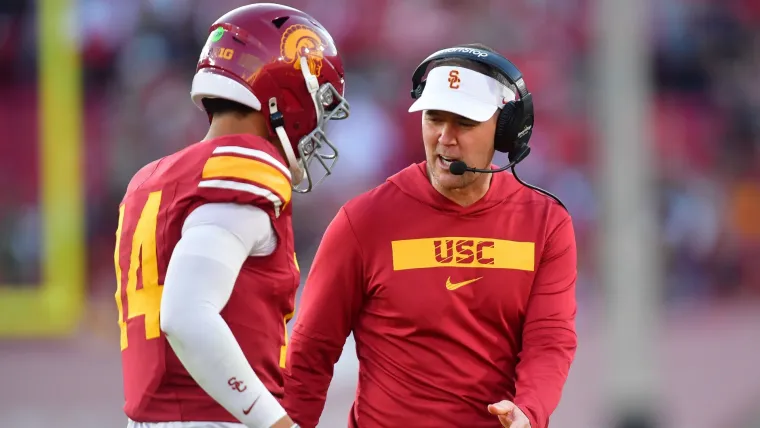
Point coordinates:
[[448, 136]]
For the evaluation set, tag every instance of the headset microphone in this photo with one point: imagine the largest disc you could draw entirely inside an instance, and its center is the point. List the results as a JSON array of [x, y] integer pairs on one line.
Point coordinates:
[[459, 168]]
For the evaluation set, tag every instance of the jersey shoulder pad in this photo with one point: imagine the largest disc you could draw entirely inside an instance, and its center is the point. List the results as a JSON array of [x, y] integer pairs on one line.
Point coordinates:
[[142, 175], [245, 170]]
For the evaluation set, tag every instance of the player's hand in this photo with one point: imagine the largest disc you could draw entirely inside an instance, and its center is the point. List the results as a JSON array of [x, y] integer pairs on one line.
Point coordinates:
[[284, 422], [509, 414]]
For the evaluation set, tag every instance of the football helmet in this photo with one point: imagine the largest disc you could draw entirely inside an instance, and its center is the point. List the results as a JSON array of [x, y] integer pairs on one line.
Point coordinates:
[[282, 62]]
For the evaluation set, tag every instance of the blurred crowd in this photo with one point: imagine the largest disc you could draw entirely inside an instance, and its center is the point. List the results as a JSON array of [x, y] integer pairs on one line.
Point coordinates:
[[139, 57]]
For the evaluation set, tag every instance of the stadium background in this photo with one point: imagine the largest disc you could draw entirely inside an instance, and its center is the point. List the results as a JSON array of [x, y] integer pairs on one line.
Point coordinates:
[[90, 90]]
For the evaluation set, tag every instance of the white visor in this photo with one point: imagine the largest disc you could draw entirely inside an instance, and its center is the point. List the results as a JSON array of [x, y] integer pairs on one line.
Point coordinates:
[[464, 92]]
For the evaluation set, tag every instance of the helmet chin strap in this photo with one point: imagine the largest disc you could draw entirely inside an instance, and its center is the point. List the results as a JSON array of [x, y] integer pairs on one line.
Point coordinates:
[[313, 85], [297, 169]]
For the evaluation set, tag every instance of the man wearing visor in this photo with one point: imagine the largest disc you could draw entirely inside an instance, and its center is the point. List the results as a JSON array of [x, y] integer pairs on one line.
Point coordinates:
[[457, 283]]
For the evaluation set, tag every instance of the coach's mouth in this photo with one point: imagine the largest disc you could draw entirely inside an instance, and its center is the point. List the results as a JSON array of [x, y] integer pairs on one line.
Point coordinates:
[[446, 161]]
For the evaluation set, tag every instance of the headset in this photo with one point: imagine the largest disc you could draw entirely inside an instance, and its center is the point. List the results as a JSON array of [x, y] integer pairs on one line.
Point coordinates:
[[514, 125]]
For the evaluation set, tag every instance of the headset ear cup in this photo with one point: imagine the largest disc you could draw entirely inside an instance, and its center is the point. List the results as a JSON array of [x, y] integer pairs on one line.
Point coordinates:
[[506, 135], [417, 91]]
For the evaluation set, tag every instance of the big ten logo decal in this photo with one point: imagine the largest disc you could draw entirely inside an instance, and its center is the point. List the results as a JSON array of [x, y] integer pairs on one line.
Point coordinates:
[[224, 53], [454, 79], [463, 251]]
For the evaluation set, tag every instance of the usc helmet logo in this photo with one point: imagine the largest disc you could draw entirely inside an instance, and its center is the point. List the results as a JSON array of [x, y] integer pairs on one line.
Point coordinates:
[[301, 41], [454, 79]]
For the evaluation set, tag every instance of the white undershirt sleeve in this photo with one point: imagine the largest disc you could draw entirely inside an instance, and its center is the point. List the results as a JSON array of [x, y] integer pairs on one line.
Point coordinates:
[[216, 240], [251, 225]]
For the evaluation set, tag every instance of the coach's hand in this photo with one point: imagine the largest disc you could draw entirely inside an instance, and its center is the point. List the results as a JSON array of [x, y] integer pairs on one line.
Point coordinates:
[[509, 414]]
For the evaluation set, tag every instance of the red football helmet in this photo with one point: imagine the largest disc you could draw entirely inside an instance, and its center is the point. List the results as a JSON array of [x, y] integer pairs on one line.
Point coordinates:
[[279, 60]]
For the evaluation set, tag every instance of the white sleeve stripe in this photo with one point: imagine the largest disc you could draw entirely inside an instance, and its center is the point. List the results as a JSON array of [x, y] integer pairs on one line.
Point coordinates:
[[245, 187], [254, 154]]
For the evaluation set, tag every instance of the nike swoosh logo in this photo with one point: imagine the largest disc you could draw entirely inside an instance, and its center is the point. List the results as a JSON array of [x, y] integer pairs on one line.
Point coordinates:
[[453, 286], [247, 411]]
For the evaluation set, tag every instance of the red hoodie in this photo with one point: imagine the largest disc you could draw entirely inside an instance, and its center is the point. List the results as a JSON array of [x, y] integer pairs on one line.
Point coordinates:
[[452, 308]]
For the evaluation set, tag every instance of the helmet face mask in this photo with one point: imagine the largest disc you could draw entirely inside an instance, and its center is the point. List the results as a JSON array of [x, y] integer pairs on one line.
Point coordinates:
[[271, 54], [315, 146]]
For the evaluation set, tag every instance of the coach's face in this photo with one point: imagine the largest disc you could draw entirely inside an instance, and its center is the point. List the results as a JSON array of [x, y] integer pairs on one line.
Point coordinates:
[[449, 137]]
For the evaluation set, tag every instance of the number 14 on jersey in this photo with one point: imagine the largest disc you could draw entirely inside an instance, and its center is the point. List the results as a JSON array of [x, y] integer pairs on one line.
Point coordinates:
[[146, 300]]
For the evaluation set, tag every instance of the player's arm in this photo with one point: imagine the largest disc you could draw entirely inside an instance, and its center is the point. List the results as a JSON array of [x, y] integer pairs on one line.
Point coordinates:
[[331, 300], [216, 240], [549, 338]]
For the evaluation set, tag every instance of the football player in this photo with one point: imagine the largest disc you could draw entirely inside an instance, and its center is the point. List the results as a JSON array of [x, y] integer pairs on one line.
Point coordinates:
[[205, 263], [458, 282]]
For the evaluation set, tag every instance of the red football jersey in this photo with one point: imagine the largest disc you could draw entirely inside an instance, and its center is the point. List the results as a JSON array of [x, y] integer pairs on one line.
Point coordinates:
[[239, 169]]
